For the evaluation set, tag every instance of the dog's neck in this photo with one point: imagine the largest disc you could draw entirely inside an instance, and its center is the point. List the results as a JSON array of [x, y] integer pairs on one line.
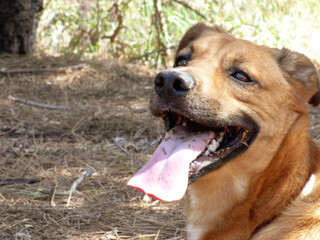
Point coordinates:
[[241, 202], [278, 183]]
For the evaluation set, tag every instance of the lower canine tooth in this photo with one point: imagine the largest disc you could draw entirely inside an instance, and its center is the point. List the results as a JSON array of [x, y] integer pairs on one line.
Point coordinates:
[[184, 123], [213, 146]]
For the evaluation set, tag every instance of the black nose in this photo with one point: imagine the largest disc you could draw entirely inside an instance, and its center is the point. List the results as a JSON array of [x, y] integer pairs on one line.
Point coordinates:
[[173, 83]]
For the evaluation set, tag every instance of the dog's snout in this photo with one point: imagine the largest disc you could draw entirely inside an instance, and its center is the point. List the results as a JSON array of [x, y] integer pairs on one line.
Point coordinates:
[[173, 83]]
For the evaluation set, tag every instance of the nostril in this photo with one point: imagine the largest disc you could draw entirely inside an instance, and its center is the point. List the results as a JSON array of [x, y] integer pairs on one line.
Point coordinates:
[[182, 84], [159, 81], [178, 85]]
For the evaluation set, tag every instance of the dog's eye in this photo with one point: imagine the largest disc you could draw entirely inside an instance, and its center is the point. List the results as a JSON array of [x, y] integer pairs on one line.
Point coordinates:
[[182, 62], [241, 77]]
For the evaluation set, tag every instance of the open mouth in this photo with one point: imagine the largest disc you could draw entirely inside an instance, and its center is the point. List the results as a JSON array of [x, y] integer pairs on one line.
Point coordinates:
[[228, 141], [190, 150]]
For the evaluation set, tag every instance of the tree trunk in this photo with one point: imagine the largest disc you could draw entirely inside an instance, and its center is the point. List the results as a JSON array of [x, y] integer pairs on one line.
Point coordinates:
[[18, 25]]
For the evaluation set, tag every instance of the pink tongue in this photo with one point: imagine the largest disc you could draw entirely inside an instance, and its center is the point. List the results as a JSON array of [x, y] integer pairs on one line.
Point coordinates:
[[165, 176]]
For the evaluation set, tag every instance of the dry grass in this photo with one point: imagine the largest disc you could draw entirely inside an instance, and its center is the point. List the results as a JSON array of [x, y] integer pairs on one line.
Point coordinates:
[[108, 100]]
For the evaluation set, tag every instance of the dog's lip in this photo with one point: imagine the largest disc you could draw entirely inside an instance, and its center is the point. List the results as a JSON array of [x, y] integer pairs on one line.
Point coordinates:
[[185, 115], [204, 164], [209, 124]]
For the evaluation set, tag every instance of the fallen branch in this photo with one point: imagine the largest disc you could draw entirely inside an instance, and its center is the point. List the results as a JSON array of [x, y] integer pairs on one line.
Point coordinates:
[[88, 173], [41, 70], [10, 181], [71, 191], [125, 151], [38, 105]]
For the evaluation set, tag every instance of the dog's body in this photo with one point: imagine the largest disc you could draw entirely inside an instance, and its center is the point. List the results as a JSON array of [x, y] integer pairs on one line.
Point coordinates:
[[264, 183]]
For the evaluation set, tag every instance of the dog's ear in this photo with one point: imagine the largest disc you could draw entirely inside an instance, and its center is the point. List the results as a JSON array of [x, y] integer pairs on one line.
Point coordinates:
[[296, 66], [196, 31]]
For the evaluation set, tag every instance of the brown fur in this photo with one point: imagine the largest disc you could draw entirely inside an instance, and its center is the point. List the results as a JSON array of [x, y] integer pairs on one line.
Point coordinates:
[[264, 183]]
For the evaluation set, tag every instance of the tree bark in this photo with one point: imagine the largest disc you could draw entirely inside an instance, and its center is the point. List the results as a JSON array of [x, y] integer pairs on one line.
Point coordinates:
[[18, 25]]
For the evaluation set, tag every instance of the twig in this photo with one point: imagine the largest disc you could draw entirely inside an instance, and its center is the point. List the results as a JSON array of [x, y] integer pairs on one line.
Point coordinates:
[[156, 238], [191, 8], [120, 23], [125, 151], [41, 70], [57, 192], [2, 197], [10, 181], [72, 190], [88, 173], [39, 105], [52, 203], [151, 52]]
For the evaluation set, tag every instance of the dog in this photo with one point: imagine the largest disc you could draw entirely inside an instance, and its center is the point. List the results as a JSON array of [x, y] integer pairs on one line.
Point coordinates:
[[237, 146]]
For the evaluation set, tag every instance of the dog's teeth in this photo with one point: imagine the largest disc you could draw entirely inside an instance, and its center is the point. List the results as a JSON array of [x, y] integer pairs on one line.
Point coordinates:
[[206, 153], [213, 146], [184, 123], [220, 137]]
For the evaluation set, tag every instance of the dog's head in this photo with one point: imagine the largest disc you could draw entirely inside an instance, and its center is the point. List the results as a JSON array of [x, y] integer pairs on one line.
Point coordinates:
[[220, 97]]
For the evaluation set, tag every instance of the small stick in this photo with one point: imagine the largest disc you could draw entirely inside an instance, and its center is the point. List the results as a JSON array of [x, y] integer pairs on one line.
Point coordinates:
[[125, 151], [2, 197], [41, 70], [156, 238], [190, 8], [9, 181], [57, 192], [39, 105], [88, 173]]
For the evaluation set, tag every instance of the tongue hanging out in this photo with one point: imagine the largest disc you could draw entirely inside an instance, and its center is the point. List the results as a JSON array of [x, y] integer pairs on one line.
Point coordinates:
[[165, 176]]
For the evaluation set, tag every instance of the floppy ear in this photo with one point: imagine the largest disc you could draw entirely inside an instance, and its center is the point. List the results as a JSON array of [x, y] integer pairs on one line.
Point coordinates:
[[200, 29], [297, 67]]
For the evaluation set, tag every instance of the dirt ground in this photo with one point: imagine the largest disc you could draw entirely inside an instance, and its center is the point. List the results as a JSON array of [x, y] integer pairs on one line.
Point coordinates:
[[103, 126]]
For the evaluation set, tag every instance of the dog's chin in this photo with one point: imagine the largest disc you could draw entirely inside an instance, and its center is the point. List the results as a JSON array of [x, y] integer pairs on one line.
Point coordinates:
[[230, 139]]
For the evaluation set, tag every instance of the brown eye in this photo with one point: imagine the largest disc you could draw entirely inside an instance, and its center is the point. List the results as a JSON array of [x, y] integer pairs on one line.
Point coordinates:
[[182, 62], [241, 77]]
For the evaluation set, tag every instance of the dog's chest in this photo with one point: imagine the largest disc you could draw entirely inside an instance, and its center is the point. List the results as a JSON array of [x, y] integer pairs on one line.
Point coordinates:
[[206, 209], [194, 233]]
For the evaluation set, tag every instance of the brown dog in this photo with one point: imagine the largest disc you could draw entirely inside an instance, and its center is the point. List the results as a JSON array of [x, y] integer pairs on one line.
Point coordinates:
[[237, 141]]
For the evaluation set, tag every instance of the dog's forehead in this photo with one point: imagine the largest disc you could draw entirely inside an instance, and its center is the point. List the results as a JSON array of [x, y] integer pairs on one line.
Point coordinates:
[[222, 52], [226, 47]]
